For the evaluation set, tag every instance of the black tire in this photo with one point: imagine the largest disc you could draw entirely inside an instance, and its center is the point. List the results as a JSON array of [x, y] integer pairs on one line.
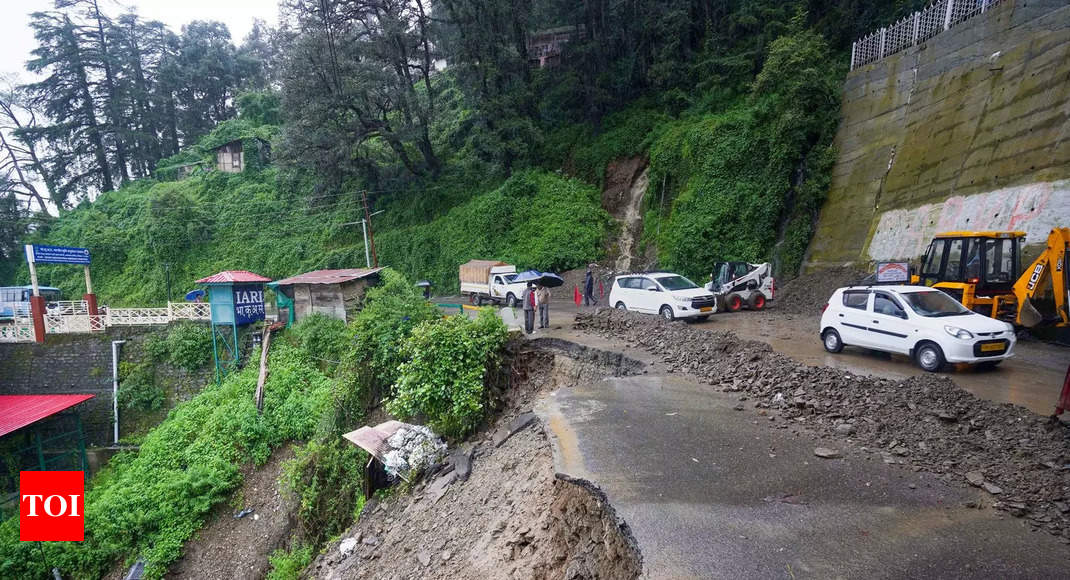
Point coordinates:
[[510, 300], [620, 306], [479, 300], [757, 301], [930, 357], [832, 341], [733, 303], [667, 313]]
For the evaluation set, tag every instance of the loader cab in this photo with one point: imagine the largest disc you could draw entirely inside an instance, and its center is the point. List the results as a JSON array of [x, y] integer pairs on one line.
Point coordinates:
[[974, 263], [725, 272]]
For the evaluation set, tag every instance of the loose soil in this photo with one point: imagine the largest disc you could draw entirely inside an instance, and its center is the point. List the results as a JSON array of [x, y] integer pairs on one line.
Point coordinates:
[[622, 196], [809, 293], [511, 518], [239, 548], [922, 423]]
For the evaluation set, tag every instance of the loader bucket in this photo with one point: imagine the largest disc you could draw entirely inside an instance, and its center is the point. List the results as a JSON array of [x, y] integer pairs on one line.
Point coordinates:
[[1028, 315]]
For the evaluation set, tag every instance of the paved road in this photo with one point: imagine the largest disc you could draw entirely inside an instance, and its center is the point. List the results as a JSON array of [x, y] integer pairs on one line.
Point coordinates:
[[1032, 379], [711, 492]]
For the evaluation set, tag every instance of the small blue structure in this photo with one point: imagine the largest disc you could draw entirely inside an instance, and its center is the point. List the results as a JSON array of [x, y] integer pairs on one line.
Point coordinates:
[[236, 298]]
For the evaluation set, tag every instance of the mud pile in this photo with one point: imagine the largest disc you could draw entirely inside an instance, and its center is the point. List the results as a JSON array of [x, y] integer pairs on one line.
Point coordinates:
[[809, 293], [924, 423], [500, 512]]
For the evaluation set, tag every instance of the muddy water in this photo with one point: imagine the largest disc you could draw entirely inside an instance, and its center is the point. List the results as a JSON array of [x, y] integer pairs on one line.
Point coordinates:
[[1032, 378]]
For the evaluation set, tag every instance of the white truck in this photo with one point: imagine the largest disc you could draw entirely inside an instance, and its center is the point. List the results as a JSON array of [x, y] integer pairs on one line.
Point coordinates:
[[490, 281]]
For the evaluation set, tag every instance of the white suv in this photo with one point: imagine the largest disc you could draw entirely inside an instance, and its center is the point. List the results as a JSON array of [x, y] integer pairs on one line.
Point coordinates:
[[923, 323], [670, 295]]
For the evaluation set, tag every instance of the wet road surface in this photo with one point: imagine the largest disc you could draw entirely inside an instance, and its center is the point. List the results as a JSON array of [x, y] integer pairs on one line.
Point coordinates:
[[711, 492], [1032, 378]]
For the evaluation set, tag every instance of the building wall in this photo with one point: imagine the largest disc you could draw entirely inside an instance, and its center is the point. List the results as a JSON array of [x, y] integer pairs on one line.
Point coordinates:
[[967, 131], [81, 363]]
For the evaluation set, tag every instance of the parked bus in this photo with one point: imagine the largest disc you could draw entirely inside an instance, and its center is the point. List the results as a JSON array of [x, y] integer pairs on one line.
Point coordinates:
[[15, 300]]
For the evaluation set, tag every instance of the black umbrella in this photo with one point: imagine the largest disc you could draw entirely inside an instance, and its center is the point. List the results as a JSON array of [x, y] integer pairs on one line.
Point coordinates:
[[424, 284], [551, 280]]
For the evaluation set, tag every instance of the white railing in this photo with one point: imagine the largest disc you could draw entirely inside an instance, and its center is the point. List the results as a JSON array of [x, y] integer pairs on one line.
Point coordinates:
[[916, 28], [72, 316], [19, 330], [73, 323]]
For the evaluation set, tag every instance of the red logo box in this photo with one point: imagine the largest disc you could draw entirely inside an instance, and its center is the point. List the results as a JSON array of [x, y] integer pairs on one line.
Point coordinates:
[[51, 506]]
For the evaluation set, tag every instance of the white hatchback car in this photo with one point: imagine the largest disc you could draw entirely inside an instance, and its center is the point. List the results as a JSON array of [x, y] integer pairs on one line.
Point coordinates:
[[921, 322], [670, 295]]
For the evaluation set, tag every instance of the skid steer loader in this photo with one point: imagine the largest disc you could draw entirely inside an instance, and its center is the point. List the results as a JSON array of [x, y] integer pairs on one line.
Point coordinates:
[[738, 285]]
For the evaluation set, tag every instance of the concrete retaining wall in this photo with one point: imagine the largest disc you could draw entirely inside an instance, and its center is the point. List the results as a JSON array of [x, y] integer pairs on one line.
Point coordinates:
[[81, 363], [967, 131]]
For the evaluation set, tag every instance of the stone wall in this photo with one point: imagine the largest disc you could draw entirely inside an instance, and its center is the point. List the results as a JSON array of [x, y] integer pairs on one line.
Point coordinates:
[[81, 363], [968, 131]]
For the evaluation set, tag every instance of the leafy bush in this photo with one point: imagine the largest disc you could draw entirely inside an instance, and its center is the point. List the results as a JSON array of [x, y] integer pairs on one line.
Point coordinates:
[[137, 387], [327, 478], [189, 345], [391, 310], [150, 502], [287, 565], [442, 380], [324, 336]]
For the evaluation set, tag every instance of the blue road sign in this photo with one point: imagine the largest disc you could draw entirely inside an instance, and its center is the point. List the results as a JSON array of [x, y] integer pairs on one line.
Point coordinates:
[[56, 254]]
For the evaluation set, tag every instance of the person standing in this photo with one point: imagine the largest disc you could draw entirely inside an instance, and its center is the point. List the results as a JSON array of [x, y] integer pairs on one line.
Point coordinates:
[[542, 298], [528, 298], [588, 288]]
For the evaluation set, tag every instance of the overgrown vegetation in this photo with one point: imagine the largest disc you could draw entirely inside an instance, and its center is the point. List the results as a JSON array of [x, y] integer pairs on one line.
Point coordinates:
[[148, 503], [188, 345], [442, 380]]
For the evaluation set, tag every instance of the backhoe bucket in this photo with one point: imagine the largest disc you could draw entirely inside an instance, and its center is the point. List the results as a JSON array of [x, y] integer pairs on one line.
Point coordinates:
[[1028, 315]]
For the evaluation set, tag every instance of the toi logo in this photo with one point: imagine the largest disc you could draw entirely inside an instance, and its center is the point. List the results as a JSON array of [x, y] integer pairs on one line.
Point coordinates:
[[51, 506]]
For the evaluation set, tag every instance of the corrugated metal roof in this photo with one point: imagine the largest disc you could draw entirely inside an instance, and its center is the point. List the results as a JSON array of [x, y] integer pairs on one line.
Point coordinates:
[[233, 276], [329, 276], [18, 411]]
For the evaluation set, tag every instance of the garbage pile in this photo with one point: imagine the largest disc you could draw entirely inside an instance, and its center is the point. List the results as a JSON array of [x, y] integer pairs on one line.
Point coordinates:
[[925, 422], [405, 450]]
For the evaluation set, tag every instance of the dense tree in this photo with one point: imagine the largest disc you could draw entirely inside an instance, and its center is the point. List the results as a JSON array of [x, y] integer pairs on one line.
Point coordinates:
[[358, 73], [21, 172]]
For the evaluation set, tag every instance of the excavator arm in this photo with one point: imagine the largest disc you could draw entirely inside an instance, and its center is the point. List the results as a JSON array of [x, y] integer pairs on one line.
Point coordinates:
[[1049, 270]]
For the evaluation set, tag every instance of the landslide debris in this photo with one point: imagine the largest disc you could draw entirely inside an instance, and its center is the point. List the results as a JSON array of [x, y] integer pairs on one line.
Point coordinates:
[[510, 519], [923, 423], [497, 510], [809, 293]]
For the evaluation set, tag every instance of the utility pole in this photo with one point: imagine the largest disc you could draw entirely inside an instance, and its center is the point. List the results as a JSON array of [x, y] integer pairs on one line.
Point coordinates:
[[364, 229], [371, 233]]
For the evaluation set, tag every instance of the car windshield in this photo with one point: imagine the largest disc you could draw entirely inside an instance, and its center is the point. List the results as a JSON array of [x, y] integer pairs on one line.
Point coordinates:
[[676, 283], [509, 278], [934, 304]]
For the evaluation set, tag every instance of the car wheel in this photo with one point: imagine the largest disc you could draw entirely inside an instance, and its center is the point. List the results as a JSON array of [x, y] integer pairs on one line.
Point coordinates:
[[831, 339], [666, 312], [733, 303], [930, 357], [757, 301], [621, 306], [479, 300], [510, 300]]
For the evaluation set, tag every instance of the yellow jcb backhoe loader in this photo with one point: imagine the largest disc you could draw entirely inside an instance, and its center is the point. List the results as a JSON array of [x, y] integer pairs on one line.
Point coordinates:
[[980, 269]]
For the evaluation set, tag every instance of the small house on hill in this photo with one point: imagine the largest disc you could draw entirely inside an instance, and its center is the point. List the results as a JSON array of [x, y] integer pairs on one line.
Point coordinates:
[[545, 46], [230, 157], [335, 293]]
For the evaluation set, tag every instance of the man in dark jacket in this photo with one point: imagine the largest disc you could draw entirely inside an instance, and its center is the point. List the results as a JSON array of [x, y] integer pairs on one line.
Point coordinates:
[[588, 289], [528, 298]]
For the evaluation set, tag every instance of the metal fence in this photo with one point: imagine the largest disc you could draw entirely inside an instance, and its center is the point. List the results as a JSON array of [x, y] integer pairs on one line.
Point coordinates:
[[72, 316], [916, 28]]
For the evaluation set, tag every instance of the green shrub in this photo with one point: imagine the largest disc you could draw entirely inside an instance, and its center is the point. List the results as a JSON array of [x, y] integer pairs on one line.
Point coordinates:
[[442, 381], [327, 478], [325, 337], [391, 310], [287, 565], [137, 387], [189, 345], [148, 503]]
